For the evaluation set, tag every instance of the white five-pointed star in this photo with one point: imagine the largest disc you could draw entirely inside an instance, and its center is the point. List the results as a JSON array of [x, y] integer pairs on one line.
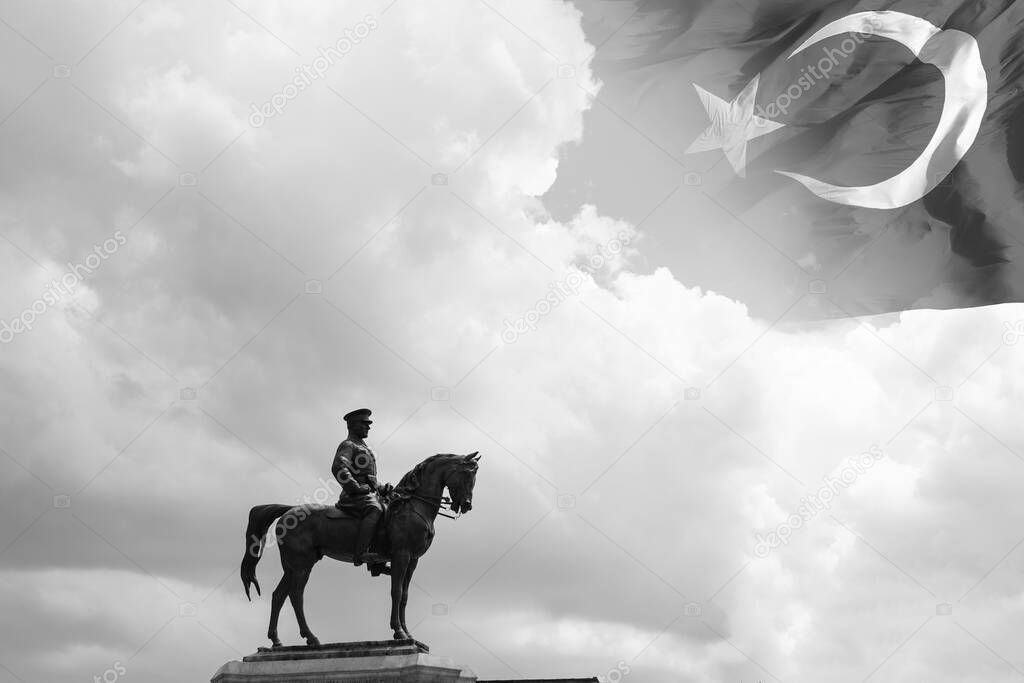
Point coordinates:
[[733, 124]]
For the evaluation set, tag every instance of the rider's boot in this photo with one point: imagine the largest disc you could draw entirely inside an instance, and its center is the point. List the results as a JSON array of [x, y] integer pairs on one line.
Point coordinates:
[[378, 568], [367, 527]]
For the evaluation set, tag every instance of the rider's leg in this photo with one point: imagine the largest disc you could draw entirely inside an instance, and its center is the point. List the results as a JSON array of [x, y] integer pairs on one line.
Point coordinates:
[[367, 527]]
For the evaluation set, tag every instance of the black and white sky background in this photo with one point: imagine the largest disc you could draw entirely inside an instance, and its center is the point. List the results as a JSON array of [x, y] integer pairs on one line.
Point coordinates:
[[263, 275]]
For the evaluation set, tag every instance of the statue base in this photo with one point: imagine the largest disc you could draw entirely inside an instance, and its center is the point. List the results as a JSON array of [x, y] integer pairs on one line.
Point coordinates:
[[370, 661]]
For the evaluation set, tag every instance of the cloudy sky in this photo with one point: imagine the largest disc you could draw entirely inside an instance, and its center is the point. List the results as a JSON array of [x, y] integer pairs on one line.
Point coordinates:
[[456, 224]]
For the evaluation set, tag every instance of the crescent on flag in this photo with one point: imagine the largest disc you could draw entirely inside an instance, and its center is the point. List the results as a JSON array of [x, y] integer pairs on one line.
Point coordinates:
[[957, 56]]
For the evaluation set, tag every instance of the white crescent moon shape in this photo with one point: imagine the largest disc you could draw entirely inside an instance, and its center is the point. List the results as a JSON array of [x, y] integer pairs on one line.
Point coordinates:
[[957, 56]]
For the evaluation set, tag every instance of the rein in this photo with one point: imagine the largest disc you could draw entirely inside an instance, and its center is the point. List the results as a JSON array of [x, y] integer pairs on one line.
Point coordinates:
[[435, 500], [410, 484]]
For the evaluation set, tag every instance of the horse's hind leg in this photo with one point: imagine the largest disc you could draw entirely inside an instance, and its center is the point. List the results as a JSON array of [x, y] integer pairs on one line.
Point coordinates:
[[295, 594], [277, 600]]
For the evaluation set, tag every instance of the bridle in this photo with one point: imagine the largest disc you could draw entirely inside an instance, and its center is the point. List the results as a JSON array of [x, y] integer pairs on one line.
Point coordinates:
[[437, 502]]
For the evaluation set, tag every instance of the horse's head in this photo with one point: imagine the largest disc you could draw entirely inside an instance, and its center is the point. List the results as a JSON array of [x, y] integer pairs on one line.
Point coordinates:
[[460, 482]]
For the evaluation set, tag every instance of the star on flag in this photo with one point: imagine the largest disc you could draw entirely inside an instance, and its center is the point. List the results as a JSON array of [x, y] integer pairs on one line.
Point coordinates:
[[733, 125]]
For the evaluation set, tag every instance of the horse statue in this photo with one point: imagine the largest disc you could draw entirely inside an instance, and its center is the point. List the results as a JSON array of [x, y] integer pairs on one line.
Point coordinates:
[[306, 533]]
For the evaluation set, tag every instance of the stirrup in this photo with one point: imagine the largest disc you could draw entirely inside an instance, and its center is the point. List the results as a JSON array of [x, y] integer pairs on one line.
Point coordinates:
[[368, 558]]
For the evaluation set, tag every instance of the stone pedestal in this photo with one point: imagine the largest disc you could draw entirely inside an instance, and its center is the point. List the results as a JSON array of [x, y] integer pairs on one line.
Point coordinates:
[[371, 661]]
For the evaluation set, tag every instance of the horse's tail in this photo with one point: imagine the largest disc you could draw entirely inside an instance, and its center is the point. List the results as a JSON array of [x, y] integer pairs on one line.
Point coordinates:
[[260, 519]]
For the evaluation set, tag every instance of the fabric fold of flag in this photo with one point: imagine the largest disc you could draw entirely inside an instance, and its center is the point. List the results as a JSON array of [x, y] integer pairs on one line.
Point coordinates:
[[879, 145]]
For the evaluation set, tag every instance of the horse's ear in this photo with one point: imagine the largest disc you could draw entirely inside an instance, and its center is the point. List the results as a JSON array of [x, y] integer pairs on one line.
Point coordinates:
[[474, 456]]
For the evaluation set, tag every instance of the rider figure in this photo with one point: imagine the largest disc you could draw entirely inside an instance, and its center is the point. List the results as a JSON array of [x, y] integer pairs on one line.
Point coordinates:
[[355, 468]]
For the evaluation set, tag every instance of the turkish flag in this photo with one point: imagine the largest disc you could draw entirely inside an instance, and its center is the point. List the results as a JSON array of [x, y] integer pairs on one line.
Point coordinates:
[[876, 145]]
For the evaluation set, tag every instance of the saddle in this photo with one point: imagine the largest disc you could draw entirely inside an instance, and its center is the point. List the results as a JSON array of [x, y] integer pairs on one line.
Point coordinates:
[[335, 512], [379, 545]]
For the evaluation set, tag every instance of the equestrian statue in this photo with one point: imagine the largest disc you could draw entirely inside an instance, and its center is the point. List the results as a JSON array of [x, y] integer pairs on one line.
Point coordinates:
[[371, 523]]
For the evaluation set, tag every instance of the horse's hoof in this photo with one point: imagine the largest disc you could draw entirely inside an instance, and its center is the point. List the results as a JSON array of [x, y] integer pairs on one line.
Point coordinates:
[[401, 635], [276, 644], [312, 641]]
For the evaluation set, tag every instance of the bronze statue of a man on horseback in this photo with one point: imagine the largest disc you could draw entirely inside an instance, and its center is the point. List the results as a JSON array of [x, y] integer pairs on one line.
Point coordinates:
[[355, 468], [371, 523]]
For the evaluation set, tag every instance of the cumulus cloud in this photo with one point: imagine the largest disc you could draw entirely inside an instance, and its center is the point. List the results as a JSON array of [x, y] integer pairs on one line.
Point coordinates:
[[370, 245]]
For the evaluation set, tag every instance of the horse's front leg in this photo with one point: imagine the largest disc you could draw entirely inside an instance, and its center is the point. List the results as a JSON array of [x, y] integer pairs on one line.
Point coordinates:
[[399, 569], [405, 594]]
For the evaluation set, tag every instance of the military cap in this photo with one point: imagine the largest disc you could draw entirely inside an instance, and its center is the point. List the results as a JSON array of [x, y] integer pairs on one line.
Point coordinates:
[[360, 415]]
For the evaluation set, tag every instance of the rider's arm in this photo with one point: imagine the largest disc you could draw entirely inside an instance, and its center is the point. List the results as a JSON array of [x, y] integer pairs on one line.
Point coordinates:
[[382, 489], [341, 469]]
